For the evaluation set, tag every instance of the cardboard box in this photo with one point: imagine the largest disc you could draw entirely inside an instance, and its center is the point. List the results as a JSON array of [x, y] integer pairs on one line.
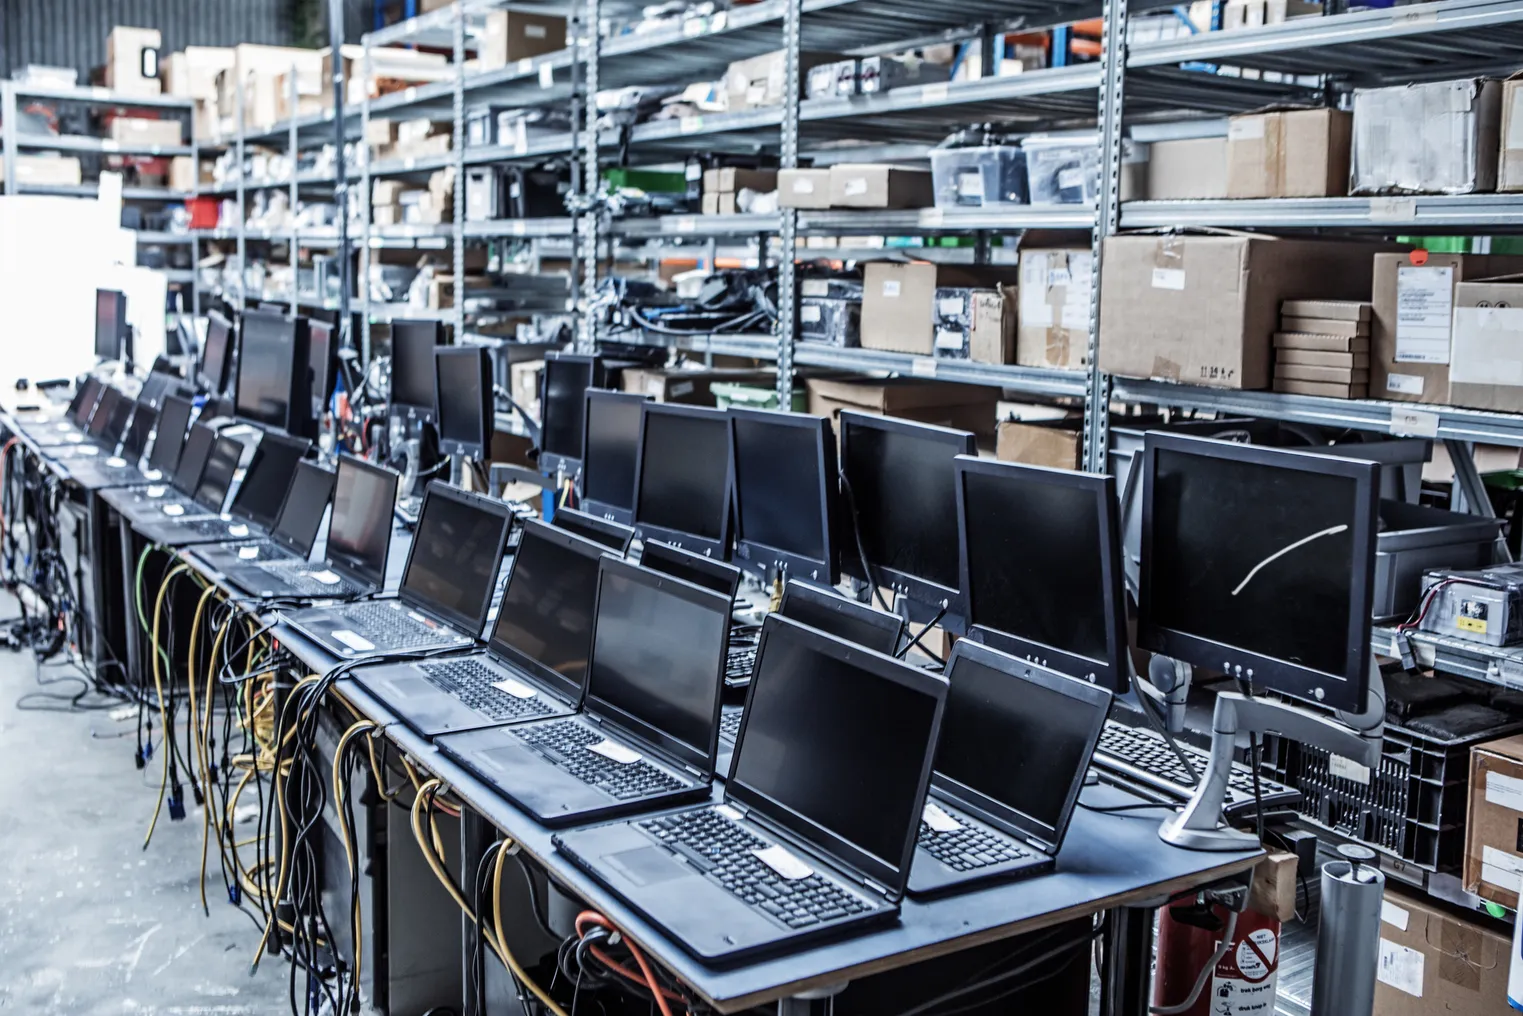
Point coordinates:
[[803, 188], [381, 132], [899, 301], [870, 185], [730, 179], [757, 82], [1333, 310], [1494, 823], [132, 60], [1055, 443], [1486, 356], [1510, 156], [1052, 329], [1326, 389], [669, 384], [386, 215], [1323, 326], [183, 175], [192, 72], [1435, 138], [45, 169], [1332, 375], [1412, 320], [523, 381], [1433, 962], [1320, 358], [1302, 153], [1190, 168], [516, 35], [976, 324], [1203, 308], [1324, 343], [963, 407], [131, 130]]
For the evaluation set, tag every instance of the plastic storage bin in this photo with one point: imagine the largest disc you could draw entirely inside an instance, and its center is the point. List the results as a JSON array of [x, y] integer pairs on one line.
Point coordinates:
[[978, 177], [754, 397], [1063, 169]]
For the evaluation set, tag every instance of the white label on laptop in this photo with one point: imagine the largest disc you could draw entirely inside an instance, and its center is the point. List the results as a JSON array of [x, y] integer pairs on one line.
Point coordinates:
[[116, 462], [238, 530], [327, 578], [610, 749], [515, 688], [156, 491], [174, 509], [353, 641], [729, 812], [247, 553], [154, 474], [938, 820], [784, 863], [89, 451]]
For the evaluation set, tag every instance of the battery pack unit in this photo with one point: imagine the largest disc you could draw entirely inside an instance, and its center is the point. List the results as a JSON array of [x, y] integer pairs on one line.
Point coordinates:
[[1485, 605]]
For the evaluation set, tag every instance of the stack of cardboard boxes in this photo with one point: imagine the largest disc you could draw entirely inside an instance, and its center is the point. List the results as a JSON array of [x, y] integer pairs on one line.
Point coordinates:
[[397, 202], [855, 185], [722, 186], [1323, 348]]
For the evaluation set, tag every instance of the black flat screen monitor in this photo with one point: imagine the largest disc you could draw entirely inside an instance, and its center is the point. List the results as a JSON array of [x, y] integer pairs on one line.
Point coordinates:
[[1259, 563], [785, 494], [412, 368], [268, 478], [322, 359], [463, 397], [110, 325], [272, 390], [902, 496], [214, 353], [1040, 555], [682, 478], [169, 435], [359, 537], [563, 393], [610, 446]]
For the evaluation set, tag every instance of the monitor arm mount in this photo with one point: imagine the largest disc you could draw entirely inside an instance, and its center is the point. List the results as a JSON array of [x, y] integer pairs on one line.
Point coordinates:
[[1171, 678], [1357, 736]]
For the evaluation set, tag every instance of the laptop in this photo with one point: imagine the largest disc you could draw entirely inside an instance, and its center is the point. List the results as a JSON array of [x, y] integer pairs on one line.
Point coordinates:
[[720, 577], [170, 433], [209, 494], [359, 538], [291, 539], [648, 735], [613, 535], [107, 428], [1016, 740], [535, 663], [71, 428], [146, 504], [255, 504], [447, 585], [123, 468], [816, 830]]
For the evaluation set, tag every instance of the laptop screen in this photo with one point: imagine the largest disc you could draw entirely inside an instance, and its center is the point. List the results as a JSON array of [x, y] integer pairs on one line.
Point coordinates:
[[116, 427], [169, 435], [109, 400], [836, 615], [545, 620], [658, 653], [218, 475], [456, 551], [269, 474], [360, 534], [137, 432], [88, 395], [198, 448], [302, 513]]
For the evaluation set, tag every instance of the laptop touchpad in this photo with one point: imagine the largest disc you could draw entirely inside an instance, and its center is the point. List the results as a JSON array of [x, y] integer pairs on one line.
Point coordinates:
[[647, 865], [407, 687]]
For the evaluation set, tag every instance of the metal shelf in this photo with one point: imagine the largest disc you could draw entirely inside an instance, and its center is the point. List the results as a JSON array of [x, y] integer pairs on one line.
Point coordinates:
[[149, 237], [98, 146], [489, 228], [231, 187], [89, 190], [1030, 380], [1492, 212], [947, 220], [755, 346], [101, 97]]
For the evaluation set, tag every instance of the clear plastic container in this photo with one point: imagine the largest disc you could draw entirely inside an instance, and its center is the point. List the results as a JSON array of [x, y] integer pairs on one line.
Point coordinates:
[[1063, 169], [979, 177]]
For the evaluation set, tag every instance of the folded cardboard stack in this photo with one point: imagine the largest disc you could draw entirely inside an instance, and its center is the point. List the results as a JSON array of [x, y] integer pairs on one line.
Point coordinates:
[[1323, 348]]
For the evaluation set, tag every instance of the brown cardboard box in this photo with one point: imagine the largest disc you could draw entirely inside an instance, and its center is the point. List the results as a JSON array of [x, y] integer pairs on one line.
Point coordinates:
[[1331, 375], [899, 301], [516, 35], [1321, 358], [523, 381], [1302, 153], [1055, 443], [1486, 357], [1412, 323], [803, 188], [1510, 158], [1323, 326], [126, 60], [386, 215], [757, 82], [1202, 308], [1494, 825], [871, 185], [1191, 168], [1053, 326], [729, 179], [1433, 963], [381, 132], [710, 203], [1332, 310], [669, 385], [183, 175], [45, 169], [192, 72], [963, 407], [131, 130], [1325, 343]]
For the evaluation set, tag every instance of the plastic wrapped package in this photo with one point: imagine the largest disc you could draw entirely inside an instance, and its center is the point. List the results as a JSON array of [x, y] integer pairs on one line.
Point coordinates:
[[1485, 605], [1063, 169], [1435, 138], [979, 177]]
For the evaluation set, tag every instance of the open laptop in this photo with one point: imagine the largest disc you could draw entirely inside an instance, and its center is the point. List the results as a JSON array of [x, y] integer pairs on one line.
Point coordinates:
[[209, 494], [124, 468], [613, 535], [291, 539], [447, 585], [107, 427], [648, 735], [1016, 740], [255, 504], [722, 578], [70, 429], [359, 539], [535, 663], [144, 504], [816, 831]]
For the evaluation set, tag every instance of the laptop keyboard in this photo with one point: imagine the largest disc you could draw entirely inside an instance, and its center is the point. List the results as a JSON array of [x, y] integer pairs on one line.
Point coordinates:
[[739, 663], [389, 627], [567, 743], [969, 848], [725, 851], [296, 577], [729, 723], [471, 681]]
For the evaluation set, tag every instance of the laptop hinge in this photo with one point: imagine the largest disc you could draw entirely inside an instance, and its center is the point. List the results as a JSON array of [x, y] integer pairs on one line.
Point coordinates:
[[875, 887]]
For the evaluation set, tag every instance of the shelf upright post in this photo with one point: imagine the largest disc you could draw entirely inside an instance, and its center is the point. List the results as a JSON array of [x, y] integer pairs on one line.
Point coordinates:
[[576, 25], [457, 164], [340, 179], [8, 128], [195, 189], [1097, 394], [587, 231], [362, 150], [241, 194], [787, 264], [294, 100]]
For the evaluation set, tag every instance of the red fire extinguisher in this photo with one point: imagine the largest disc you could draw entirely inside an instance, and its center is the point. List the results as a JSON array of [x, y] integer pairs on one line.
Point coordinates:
[[1216, 957]]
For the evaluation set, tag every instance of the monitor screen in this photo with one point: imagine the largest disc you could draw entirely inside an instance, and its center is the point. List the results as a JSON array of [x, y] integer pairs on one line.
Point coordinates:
[[214, 353], [169, 435], [835, 743], [268, 477], [198, 448], [136, 442], [658, 653], [217, 477], [903, 493], [301, 514], [567, 379], [266, 358], [612, 441], [546, 612], [110, 323], [320, 357], [456, 550], [109, 400], [684, 471], [464, 395], [412, 366], [835, 615], [364, 497], [690, 567], [781, 484]]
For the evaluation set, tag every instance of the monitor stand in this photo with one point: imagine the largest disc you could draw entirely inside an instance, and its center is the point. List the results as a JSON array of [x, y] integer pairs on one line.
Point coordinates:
[[1357, 736]]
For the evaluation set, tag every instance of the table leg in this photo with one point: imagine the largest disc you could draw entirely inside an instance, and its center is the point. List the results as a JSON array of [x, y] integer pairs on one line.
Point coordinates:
[[815, 1002], [1125, 979]]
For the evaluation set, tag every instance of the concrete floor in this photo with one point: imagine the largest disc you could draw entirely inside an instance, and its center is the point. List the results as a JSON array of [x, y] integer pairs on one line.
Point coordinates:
[[89, 922]]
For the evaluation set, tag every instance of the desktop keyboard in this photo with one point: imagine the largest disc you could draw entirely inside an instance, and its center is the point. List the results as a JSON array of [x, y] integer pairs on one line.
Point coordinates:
[[471, 681], [969, 848], [566, 744], [296, 576], [388, 626], [1146, 758], [725, 852], [729, 723]]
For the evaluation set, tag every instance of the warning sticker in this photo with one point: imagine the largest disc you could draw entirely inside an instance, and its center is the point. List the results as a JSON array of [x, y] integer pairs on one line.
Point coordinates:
[[1244, 984]]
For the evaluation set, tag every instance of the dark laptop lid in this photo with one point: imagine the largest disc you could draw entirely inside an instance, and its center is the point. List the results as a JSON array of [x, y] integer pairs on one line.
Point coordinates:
[[268, 478], [116, 427], [544, 623], [658, 660], [836, 745], [1016, 739], [610, 534], [144, 416], [359, 537], [690, 567], [217, 477], [456, 552], [865, 625], [301, 514], [198, 448], [169, 436], [104, 411], [84, 405]]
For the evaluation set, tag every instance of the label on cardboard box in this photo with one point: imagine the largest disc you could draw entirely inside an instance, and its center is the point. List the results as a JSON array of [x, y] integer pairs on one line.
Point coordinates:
[[1424, 305], [1391, 914], [891, 287], [1504, 791], [1401, 968], [855, 186], [1487, 348], [1076, 312], [1501, 869], [682, 388], [1168, 278], [1405, 384], [803, 185]]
